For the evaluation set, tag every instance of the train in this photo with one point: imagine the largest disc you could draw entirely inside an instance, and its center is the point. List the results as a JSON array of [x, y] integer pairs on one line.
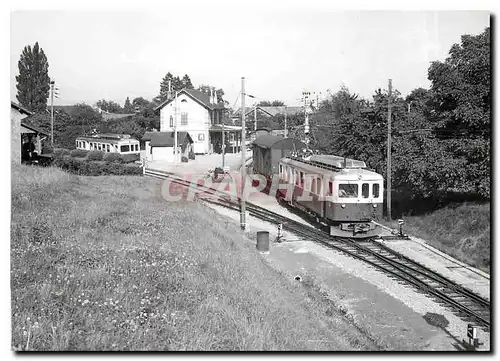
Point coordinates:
[[340, 193], [109, 143]]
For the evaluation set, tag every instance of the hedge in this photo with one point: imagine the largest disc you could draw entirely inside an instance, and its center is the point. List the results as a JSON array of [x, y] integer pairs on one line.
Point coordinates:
[[95, 155], [113, 158], [94, 168], [78, 153]]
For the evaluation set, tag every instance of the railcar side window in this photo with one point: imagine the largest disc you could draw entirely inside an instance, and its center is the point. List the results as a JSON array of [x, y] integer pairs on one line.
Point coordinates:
[[376, 191], [348, 190], [124, 148], [107, 148], [365, 190], [301, 179], [281, 170], [297, 179], [330, 188], [318, 186]]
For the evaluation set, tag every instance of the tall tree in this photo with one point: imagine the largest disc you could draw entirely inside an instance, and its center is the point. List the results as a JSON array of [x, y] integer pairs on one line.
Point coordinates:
[[127, 107], [205, 88], [33, 82], [176, 84], [186, 82]]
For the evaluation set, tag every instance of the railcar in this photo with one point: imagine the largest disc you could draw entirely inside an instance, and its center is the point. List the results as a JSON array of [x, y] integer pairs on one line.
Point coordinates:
[[109, 143], [340, 193]]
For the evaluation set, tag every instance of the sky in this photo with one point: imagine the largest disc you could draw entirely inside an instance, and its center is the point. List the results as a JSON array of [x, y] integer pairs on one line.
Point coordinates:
[[280, 51]]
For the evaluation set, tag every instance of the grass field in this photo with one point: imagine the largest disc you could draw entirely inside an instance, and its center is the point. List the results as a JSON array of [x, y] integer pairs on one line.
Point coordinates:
[[460, 230], [104, 263]]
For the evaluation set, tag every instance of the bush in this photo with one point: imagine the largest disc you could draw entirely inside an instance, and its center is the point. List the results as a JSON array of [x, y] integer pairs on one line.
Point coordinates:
[[113, 158], [78, 153], [129, 158], [184, 159], [61, 152], [95, 155], [191, 154], [95, 168]]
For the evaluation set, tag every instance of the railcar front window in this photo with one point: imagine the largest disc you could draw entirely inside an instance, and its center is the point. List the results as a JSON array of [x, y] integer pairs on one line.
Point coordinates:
[[376, 191], [365, 190], [348, 190], [124, 148]]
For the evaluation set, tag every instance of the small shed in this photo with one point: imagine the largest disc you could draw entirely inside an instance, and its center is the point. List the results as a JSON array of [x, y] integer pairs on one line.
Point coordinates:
[[160, 145], [269, 149]]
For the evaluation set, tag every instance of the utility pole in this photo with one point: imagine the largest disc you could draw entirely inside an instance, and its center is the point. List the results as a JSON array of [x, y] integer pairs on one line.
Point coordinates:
[[255, 117], [52, 113], [223, 143], [175, 129], [389, 151], [243, 146], [306, 123], [285, 121]]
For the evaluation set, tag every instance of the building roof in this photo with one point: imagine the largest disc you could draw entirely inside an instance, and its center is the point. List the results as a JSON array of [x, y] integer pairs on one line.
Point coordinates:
[[273, 111], [147, 135], [33, 128], [198, 96], [166, 139], [271, 141], [20, 109], [111, 116]]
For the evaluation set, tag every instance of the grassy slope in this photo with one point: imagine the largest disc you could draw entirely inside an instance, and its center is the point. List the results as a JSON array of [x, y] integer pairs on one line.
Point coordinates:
[[462, 231], [104, 263]]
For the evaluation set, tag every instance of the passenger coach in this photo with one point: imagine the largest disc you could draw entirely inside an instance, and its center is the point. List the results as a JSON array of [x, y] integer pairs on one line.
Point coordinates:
[[109, 143]]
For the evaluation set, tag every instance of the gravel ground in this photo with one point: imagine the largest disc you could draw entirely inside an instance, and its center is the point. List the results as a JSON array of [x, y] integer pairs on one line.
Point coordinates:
[[416, 301]]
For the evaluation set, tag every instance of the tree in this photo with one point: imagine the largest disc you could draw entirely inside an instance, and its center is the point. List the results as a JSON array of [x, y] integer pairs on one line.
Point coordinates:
[[109, 106], [186, 82], [264, 103], [176, 85], [277, 103], [127, 107], [462, 107], [204, 88], [33, 82]]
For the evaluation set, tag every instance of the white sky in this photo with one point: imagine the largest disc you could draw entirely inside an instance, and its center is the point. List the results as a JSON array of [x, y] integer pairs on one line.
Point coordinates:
[[112, 55]]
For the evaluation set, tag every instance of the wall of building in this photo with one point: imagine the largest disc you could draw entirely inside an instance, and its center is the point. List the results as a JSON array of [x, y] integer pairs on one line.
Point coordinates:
[[15, 147], [198, 121], [163, 154]]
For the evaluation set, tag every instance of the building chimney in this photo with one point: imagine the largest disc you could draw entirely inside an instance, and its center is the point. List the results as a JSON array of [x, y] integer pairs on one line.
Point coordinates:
[[215, 96]]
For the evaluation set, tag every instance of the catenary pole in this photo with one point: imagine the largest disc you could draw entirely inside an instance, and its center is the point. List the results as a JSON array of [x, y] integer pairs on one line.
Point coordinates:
[[243, 151], [175, 130], [52, 114], [389, 116]]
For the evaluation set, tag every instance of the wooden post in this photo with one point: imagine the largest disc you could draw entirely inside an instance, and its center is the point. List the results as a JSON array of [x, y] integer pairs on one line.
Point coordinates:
[[389, 116], [243, 156]]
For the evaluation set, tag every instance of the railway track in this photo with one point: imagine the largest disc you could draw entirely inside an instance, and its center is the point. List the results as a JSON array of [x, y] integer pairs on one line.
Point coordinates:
[[463, 302]]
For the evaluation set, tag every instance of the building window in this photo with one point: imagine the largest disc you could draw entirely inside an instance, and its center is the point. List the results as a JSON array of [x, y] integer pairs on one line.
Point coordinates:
[[171, 121], [124, 148], [201, 136], [184, 118]]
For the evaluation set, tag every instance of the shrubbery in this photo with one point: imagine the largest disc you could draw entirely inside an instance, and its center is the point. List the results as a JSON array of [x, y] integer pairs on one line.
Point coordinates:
[[129, 158], [113, 158], [95, 155], [61, 152], [78, 153], [94, 168]]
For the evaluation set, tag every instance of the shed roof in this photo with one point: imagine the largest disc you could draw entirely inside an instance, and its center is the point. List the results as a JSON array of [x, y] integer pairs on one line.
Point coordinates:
[[33, 128], [166, 139], [20, 108], [273, 141]]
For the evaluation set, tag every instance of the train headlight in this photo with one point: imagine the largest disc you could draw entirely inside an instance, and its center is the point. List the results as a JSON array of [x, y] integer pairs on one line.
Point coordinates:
[[374, 206], [343, 205]]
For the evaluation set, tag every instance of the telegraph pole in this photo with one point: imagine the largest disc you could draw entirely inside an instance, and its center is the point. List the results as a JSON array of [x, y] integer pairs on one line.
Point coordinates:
[[389, 151], [223, 143], [52, 114], [306, 123], [285, 121], [175, 130], [255, 117], [243, 148]]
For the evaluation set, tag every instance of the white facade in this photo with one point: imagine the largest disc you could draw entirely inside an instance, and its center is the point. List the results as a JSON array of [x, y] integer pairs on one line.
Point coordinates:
[[162, 154], [192, 117]]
